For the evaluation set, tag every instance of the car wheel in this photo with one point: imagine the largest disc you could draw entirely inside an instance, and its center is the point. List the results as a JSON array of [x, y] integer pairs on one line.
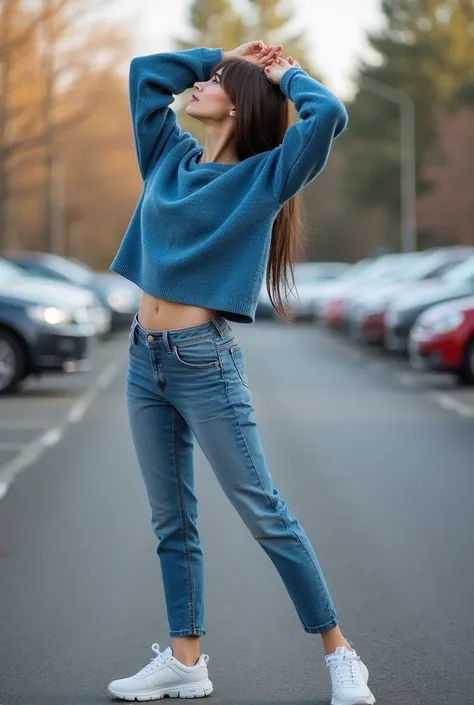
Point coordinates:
[[12, 362], [466, 374]]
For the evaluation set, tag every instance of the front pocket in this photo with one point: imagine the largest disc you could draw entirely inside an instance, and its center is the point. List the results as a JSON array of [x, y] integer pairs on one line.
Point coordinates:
[[194, 355], [238, 360]]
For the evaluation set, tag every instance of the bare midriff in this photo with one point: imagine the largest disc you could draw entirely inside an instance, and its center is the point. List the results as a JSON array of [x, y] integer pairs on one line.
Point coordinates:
[[156, 314]]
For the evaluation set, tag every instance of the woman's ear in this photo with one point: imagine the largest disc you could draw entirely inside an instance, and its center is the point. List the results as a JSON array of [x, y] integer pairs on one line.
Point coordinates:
[[232, 112]]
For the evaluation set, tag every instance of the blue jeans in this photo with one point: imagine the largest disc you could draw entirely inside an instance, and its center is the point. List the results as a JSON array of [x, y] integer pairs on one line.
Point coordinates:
[[191, 383]]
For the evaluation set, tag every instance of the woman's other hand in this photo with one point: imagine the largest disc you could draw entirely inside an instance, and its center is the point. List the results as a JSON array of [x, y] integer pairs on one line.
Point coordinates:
[[276, 70], [256, 53]]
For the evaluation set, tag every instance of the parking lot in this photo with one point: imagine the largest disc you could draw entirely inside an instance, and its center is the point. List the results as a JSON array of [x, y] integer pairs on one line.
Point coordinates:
[[373, 457], [443, 390], [38, 417]]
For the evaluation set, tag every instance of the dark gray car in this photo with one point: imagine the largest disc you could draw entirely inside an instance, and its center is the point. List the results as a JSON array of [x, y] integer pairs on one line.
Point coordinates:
[[44, 325], [121, 297]]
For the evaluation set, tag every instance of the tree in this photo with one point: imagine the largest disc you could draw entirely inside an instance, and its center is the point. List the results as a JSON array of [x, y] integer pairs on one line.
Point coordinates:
[[46, 47], [426, 49]]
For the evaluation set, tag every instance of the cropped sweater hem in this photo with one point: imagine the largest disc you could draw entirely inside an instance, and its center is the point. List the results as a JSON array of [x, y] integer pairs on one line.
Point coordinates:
[[236, 310]]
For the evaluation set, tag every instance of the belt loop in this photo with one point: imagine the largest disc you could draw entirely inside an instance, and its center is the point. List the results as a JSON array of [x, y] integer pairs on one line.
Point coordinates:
[[166, 341], [220, 328]]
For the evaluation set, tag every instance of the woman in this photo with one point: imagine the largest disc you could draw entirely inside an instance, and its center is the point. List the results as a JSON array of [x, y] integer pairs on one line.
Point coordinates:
[[207, 224]]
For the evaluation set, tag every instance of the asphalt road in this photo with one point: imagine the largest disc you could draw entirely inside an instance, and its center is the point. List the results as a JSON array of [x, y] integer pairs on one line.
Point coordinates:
[[377, 462]]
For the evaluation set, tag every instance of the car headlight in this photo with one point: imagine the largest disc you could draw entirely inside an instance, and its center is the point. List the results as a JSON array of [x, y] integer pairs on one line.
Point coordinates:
[[444, 324], [50, 315], [121, 301]]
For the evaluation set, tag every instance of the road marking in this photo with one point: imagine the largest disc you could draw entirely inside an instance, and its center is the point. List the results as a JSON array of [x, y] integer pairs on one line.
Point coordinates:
[[108, 375], [32, 452], [448, 403], [78, 411], [52, 437]]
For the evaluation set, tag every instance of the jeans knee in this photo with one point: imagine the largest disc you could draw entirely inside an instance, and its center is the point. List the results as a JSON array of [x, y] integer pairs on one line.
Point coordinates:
[[170, 526], [265, 523]]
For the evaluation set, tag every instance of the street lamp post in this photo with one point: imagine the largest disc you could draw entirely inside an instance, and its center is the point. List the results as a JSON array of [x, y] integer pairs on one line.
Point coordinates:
[[408, 157]]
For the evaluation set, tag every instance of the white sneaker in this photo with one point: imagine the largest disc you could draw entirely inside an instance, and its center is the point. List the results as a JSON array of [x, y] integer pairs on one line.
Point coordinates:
[[165, 676], [349, 677]]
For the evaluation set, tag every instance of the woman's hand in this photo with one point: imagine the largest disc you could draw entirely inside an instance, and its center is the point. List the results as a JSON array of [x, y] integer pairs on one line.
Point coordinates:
[[277, 69], [256, 53]]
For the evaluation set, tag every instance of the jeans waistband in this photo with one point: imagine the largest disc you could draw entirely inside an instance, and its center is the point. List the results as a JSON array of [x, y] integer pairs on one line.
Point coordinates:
[[217, 324]]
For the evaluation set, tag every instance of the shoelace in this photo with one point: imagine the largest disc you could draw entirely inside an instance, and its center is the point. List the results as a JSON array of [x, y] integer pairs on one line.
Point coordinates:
[[161, 659], [343, 667]]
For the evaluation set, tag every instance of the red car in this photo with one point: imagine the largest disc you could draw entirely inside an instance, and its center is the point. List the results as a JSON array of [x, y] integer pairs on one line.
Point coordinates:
[[443, 339], [332, 313]]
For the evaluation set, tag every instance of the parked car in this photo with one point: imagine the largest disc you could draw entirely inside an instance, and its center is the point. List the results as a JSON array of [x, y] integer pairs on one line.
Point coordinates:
[[44, 325], [366, 313], [329, 291], [119, 296], [442, 339], [309, 276], [335, 306], [83, 297], [403, 312]]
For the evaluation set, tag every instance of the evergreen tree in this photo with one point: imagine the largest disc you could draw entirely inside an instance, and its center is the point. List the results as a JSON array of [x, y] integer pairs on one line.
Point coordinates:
[[426, 49]]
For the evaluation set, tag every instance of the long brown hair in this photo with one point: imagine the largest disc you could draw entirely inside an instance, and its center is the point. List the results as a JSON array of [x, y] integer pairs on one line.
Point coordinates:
[[262, 117]]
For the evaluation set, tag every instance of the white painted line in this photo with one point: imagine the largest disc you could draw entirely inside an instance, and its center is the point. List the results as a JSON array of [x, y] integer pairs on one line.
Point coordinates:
[[108, 374], [23, 460], [3, 490], [79, 409], [52, 437], [31, 452], [449, 403], [12, 446]]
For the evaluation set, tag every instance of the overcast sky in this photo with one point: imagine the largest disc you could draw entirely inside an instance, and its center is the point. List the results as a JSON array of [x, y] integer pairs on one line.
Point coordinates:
[[335, 30]]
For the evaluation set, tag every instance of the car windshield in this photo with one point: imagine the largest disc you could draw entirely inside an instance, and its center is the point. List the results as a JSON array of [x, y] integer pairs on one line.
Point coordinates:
[[70, 269], [463, 272], [10, 273], [415, 266]]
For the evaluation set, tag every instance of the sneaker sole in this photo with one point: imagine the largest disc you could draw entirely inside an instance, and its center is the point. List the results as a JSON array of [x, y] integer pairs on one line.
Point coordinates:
[[199, 690], [362, 701]]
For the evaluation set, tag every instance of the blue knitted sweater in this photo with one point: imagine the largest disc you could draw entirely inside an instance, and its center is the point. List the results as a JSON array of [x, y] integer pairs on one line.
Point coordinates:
[[201, 232]]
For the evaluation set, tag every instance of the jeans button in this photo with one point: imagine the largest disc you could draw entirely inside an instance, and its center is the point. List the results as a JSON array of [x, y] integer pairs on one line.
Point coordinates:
[[150, 338]]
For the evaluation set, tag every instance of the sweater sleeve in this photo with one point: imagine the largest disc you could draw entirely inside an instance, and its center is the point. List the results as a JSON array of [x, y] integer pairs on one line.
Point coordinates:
[[154, 80], [306, 145]]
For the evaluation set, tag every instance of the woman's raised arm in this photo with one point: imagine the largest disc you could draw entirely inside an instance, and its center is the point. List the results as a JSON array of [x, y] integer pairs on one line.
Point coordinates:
[[306, 145], [154, 80]]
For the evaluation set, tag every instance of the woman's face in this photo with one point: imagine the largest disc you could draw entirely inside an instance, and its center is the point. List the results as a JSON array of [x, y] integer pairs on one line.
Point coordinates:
[[210, 102]]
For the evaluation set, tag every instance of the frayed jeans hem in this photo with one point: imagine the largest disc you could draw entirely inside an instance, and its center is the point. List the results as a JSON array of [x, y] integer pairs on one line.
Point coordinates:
[[324, 628]]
